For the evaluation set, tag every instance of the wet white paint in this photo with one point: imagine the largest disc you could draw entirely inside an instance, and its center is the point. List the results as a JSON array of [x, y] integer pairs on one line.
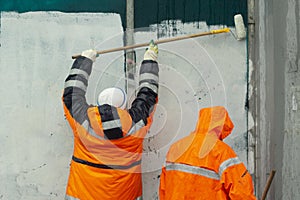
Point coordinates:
[[36, 141], [35, 57], [200, 72]]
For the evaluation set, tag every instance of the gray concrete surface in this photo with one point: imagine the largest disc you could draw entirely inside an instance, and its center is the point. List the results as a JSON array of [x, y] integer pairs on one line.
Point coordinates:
[[277, 66], [36, 48]]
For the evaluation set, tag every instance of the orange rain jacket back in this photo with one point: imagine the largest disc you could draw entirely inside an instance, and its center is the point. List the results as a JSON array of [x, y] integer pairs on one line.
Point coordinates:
[[202, 167], [106, 162]]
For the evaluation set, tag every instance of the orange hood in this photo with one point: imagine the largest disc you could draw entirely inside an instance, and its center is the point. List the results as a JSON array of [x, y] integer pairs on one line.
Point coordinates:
[[214, 120]]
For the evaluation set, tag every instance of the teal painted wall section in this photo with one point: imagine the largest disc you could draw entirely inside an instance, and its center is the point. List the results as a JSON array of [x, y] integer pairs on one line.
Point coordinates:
[[93, 6], [64, 5], [213, 12]]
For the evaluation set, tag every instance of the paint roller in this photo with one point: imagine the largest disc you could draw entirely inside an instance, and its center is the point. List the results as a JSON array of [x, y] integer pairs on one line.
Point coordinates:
[[240, 30], [239, 26]]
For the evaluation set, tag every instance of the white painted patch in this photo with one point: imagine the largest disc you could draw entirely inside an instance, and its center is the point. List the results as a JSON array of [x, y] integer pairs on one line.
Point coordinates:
[[36, 52], [294, 103], [204, 71], [35, 58]]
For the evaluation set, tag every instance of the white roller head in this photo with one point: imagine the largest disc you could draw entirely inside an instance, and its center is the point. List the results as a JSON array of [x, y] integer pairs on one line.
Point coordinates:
[[239, 27], [113, 96]]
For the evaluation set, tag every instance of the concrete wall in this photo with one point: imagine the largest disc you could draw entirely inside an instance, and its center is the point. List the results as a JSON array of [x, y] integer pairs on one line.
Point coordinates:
[[277, 67], [195, 74], [36, 141], [36, 51]]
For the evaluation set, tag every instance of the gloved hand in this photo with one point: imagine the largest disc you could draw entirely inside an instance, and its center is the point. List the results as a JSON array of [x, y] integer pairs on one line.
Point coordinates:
[[151, 52], [91, 54]]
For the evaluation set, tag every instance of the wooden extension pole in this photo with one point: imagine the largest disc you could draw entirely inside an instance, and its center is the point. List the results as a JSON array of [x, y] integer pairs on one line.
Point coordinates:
[[212, 32], [268, 184]]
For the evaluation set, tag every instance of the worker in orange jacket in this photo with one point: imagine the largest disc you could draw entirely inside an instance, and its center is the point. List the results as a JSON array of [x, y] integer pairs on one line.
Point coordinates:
[[108, 139], [202, 167]]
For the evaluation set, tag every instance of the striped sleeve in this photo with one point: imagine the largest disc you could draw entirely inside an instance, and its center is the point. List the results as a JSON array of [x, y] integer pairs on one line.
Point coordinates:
[[236, 179], [149, 75], [75, 88], [143, 105]]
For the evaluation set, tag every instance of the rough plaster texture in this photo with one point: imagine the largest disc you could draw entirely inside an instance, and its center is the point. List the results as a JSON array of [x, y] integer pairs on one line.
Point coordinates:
[[278, 68], [291, 155], [36, 141], [35, 53], [263, 134], [198, 73]]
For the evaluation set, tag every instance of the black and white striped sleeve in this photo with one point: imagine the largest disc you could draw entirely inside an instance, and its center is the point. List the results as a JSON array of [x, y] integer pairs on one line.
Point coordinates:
[[75, 88], [146, 98]]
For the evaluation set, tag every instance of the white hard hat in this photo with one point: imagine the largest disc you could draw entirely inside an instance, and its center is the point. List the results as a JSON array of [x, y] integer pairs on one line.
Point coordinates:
[[113, 96]]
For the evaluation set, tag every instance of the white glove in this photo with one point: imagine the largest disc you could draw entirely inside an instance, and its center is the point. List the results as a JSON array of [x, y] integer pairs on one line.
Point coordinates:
[[91, 54], [152, 52]]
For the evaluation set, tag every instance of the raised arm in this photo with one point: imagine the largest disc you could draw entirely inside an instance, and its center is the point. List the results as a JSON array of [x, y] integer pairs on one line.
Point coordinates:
[[76, 85], [147, 96]]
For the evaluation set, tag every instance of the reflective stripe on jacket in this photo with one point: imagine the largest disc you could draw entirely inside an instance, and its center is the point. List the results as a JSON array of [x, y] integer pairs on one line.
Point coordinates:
[[106, 162], [67, 197], [202, 167]]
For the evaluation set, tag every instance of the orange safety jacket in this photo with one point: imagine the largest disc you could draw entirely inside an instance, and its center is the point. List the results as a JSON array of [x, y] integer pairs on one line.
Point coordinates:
[[108, 141], [202, 167]]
